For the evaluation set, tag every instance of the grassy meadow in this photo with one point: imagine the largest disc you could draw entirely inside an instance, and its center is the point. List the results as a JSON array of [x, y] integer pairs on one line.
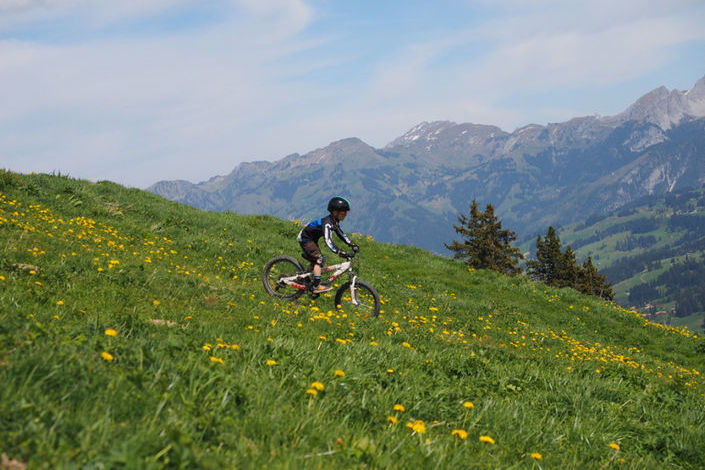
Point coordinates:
[[135, 333]]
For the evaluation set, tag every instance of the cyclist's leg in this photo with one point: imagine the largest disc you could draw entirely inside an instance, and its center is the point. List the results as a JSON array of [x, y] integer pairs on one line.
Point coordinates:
[[313, 254]]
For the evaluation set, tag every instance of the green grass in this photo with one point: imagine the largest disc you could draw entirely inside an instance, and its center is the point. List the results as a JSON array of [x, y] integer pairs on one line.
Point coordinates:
[[186, 381]]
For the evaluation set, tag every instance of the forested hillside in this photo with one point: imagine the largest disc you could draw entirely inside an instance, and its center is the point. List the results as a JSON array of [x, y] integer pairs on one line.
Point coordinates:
[[653, 250]]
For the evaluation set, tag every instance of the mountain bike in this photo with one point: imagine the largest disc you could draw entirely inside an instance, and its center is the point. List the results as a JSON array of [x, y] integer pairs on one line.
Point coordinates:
[[285, 278]]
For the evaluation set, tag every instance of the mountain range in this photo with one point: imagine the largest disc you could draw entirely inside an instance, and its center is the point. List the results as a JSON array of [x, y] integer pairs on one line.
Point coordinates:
[[412, 190]]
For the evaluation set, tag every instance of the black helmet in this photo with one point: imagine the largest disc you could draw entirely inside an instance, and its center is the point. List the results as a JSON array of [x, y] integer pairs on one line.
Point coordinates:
[[338, 204]]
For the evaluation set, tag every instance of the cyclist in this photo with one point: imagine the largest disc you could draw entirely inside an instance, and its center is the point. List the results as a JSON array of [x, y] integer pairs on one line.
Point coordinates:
[[338, 208]]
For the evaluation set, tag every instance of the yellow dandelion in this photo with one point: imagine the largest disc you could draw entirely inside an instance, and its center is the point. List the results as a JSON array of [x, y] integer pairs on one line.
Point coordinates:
[[390, 371], [461, 433], [156, 303], [312, 392], [469, 405], [399, 407], [59, 302], [217, 359], [234, 347], [271, 362], [106, 356], [486, 440], [392, 419], [374, 343], [111, 332], [339, 373], [417, 426], [318, 386], [536, 456], [2, 278], [614, 445]]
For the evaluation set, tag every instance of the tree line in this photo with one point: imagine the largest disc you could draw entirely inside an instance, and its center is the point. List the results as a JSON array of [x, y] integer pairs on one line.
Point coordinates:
[[485, 244]]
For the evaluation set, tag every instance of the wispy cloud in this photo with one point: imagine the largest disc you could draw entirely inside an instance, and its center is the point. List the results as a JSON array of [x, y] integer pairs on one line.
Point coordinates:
[[110, 92]]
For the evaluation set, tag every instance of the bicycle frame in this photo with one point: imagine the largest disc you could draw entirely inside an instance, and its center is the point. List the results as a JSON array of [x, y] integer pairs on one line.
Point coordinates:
[[337, 269]]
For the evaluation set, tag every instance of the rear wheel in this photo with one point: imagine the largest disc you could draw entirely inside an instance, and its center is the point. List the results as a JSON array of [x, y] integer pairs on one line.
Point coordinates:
[[365, 302], [278, 268]]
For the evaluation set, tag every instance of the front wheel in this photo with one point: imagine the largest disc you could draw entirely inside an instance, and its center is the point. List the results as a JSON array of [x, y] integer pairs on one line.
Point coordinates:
[[276, 269], [363, 301]]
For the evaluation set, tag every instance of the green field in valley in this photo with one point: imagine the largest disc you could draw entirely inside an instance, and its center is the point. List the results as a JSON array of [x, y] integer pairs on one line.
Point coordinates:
[[135, 333]]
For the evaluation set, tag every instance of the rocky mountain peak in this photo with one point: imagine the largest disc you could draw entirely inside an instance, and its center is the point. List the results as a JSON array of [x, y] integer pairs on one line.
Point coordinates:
[[667, 108], [424, 132]]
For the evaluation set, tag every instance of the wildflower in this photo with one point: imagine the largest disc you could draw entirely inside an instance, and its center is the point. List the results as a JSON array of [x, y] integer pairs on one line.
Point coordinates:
[[217, 359], [374, 343], [417, 426], [462, 434], [234, 347], [486, 439], [399, 407], [2, 278], [536, 456], [614, 445], [339, 373], [59, 302], [392, 419], [156, 303], [318, 386], [271, 362], [390, 371], [111, 332], [469, 405], [312, 392], [106, 356]]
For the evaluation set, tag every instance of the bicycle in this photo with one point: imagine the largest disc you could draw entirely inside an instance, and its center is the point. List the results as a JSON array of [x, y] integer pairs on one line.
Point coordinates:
[[285, 278]]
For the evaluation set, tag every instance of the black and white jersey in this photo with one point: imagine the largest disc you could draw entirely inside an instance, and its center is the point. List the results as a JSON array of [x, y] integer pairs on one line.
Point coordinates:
[[323, 228]]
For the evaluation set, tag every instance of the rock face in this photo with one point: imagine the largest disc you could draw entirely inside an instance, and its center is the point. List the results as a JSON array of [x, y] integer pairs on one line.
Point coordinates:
[[412, 190]]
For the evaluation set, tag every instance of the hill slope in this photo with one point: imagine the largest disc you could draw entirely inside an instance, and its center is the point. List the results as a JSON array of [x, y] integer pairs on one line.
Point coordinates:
[[134, 332]]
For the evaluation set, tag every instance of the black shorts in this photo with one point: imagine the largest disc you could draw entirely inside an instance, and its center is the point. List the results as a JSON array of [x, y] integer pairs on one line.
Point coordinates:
[[312, 253]]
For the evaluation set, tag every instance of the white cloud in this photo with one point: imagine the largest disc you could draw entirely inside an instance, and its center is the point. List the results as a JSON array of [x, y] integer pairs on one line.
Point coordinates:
[[139, 108], [537, 47]]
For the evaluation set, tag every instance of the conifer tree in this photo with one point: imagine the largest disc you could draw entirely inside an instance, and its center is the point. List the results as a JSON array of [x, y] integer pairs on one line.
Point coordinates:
[[545, 268], [591, 282], [484, 243], [559, 268]]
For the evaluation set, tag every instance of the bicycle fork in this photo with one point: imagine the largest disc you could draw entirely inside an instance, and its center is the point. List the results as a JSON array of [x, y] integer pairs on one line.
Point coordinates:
[[353, 291]]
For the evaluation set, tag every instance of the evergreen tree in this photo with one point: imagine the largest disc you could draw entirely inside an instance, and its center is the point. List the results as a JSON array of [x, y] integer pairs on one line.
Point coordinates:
[[559, 268], [591, 282], [484, 243], [547, 265]]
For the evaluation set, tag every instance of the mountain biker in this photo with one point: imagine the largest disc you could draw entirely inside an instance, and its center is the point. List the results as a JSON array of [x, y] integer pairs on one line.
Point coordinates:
[[308, 237]]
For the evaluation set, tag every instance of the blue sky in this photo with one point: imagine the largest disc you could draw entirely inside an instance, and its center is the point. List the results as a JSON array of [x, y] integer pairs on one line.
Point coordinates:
[[138, 91]]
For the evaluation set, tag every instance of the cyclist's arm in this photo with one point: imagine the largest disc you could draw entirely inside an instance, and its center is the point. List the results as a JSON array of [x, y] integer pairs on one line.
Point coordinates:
[[328, 237], [342, 236]]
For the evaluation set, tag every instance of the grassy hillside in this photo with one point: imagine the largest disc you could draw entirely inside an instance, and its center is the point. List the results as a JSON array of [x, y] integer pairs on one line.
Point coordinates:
[[653, 251], [135, 333]]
